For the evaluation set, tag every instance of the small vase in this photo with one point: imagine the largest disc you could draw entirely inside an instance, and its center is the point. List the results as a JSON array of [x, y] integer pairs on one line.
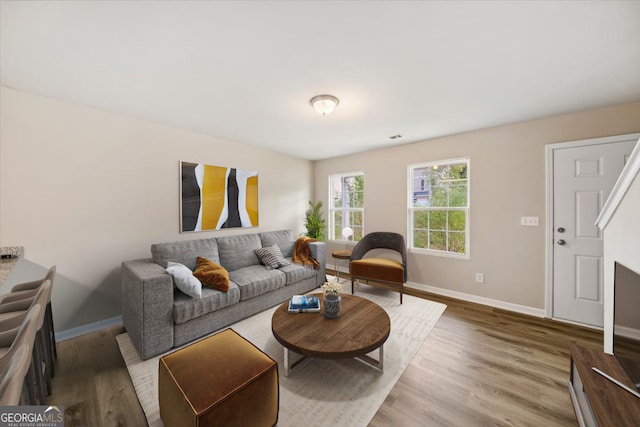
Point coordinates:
[[332, 304]]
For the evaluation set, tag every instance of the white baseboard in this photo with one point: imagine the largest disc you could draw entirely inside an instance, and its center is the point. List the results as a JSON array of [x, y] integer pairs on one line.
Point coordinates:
[[571, 322], [523, 309], [628, 332], [87, 329]]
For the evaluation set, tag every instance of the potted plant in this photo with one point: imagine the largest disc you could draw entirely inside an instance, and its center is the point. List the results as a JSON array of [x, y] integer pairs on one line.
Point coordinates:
[[314, 222], [331, 301]]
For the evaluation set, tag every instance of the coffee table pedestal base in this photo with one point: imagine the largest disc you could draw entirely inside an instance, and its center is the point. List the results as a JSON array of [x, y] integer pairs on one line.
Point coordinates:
[[377, 364]]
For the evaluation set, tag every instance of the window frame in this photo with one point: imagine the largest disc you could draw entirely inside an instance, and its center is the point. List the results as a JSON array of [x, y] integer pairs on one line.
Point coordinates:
[[411, 209], [332, 209]]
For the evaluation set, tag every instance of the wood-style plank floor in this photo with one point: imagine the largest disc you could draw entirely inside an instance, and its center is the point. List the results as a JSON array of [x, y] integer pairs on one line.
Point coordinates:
[[92, 383], [482, 366], [479, 367]]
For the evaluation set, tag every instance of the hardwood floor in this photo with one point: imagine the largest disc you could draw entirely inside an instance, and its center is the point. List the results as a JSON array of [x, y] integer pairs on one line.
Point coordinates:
[[92, 383], [479, 367], [487, 367]]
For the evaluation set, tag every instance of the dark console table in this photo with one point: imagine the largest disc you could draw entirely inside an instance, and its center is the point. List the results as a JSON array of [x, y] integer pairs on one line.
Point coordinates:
[[596, 400]]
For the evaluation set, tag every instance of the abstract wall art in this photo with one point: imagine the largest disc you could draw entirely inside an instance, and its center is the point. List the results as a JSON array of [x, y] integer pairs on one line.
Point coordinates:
[[215, 197]]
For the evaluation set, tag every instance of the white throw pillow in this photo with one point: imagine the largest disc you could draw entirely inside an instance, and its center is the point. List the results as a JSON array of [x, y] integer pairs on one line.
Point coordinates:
[[184, 279]]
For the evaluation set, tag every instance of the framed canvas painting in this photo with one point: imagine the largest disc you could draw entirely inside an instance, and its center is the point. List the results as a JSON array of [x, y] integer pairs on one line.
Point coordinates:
[[216, 197]]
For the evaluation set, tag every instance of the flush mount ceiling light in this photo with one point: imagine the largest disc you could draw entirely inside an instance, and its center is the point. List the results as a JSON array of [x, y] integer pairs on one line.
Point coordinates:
[[324, 104]]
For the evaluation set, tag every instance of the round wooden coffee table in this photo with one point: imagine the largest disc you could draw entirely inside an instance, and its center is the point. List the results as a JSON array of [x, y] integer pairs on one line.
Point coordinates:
[[363, 326]]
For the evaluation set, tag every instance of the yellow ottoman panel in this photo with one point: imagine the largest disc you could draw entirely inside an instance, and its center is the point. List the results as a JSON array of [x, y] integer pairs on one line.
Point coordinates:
[[221, 380]]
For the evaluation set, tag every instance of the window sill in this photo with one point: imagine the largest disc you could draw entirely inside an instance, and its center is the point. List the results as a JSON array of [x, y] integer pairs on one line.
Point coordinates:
[[439, 253]]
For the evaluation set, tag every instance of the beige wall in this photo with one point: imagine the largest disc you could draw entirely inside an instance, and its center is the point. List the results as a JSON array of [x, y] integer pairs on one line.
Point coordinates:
[[507, 181], [86, 189]]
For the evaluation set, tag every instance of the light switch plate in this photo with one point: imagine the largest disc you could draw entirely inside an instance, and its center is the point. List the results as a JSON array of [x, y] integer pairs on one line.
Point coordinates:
[[529, 221]]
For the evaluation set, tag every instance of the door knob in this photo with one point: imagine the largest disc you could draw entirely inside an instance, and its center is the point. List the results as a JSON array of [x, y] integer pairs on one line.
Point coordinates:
[[561, 230], [561, 242]]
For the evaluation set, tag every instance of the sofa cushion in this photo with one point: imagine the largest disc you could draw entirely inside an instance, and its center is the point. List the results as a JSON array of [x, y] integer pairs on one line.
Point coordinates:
[[212, 275], [384, 269], [256, 280], [238, 251], [185, 252], [297, 272], [283, 238], [186, 308]]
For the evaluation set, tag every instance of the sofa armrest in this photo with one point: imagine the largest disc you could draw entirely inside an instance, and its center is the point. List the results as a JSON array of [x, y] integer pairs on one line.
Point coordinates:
[[147, 306], [319, 252]]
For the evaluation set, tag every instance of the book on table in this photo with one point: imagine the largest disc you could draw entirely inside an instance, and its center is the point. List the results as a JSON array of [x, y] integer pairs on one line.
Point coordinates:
[[304, 304]]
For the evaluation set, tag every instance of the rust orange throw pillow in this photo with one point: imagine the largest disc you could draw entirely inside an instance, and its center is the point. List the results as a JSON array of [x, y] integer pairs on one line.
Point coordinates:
[[211, 274]]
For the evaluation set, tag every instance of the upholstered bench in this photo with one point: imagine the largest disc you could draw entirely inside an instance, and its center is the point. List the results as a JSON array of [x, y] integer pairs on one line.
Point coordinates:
[[223, 380]]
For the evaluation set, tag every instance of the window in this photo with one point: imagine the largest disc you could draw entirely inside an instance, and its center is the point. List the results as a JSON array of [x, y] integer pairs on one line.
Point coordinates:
[[438, 203], [346, 205]]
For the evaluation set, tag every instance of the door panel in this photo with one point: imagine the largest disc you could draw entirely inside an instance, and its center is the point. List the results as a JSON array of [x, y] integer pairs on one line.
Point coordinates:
[[583, 177], [587, 273], [588, 204]]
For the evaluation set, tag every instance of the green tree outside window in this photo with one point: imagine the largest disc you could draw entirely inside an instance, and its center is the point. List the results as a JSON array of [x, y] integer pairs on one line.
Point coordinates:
[[439, 206]]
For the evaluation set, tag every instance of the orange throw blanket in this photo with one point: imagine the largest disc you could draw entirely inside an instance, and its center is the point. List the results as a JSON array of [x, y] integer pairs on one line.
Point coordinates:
[[302, 252]]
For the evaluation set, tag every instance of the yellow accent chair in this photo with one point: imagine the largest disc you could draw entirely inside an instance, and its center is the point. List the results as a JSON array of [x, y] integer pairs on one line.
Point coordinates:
[[379, 268]]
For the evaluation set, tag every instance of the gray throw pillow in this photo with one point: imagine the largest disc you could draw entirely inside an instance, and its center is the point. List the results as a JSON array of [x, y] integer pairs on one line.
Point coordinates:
[[271, 257]]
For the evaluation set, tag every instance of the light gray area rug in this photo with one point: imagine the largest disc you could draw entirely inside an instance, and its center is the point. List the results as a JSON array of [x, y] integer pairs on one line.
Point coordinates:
[[320, 392]]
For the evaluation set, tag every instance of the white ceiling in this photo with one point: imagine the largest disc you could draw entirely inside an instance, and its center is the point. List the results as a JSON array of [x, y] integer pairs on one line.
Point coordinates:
[[245, 71]]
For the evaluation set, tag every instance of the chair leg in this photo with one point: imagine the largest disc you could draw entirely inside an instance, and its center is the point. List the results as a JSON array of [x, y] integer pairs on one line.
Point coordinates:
[[29, 381], [401, 292], [49, 347], [47, 357], [37, 364], [352, 286], [52, 331]]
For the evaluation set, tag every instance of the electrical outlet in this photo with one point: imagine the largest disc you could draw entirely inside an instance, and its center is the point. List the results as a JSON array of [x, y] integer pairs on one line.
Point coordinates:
[[529, 221], [480, 277]]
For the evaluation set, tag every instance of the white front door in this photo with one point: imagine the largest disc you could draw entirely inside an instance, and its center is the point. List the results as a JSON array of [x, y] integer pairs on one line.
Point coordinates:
[[583, 177]]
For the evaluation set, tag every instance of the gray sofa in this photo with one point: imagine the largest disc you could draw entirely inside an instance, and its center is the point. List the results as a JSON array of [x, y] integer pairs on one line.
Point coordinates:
[[159, 317]]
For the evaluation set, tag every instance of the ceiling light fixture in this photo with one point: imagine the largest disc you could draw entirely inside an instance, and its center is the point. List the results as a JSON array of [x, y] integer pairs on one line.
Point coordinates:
[[324, 104]]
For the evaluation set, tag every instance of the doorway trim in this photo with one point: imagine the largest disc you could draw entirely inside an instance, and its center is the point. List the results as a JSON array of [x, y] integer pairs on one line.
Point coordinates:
[[549, 151]]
